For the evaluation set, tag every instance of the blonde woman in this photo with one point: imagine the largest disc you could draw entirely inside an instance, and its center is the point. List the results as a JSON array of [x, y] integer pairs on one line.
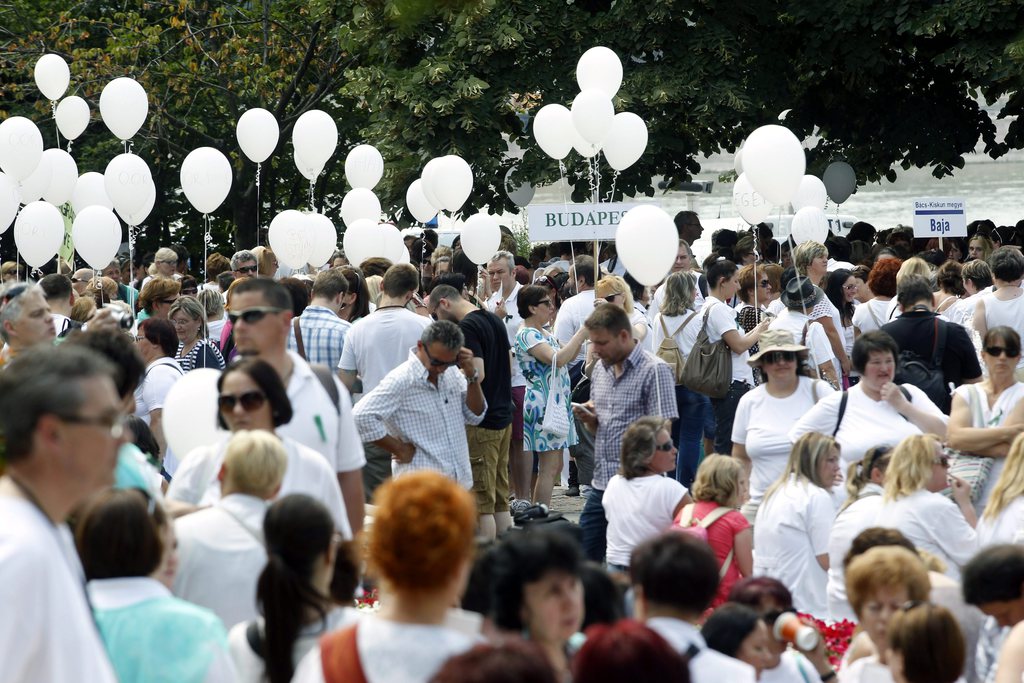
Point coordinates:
[[791, 530], [1003, 518], [912, 503], [165, 264], [722, 483], [979, 248], [811, 261], [614, 290]]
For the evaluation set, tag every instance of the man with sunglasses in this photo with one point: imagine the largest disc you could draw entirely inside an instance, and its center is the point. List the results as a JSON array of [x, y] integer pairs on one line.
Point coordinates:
[[261, 312], [243, 264], [25, 319], [420, 410], [62, 422]]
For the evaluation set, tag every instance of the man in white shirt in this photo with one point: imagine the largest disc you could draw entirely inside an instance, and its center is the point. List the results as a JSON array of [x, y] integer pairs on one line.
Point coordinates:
[[221, 550], [57, 292], [419, 412], [675, 578], [261, 315], [504, 303], [576, 309], [63, 424], [377, 344]]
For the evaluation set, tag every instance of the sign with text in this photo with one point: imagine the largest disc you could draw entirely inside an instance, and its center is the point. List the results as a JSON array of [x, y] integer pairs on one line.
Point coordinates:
[[557, 222], [940, 217]]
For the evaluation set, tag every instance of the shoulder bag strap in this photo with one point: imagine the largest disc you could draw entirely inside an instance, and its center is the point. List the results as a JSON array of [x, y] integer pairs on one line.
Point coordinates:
[[339, 657], [714, 516], [940, 344], [803, 335], [250, 531], [326, 377], [842, 411], [685, 517], [874, 316], [685, 323], [298, 338]]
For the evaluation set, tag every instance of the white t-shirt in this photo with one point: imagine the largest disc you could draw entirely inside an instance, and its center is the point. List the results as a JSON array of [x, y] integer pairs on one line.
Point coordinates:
[[378, 343], [994, 416], [871, 315], [638, 509], [221, 555], [571, 316], [1009, 313], [1005, 528], [858, 516], [934, 523], [150, 395], [820, 351], [722, 318], [791, 529], [762, 423], [512, 322], [390, 652], [866, 423], [865, 670], [307, 472], [707, 666], [46, 630], [793, 668]]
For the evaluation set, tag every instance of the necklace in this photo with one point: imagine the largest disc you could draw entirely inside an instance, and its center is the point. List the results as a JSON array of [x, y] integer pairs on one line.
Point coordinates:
[[30, 497]]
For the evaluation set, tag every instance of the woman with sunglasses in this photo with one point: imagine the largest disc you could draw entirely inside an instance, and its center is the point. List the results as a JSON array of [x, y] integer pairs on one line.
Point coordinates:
[[918, 471], [165, 265], [536, 350], [986, 417], [252, 396], [764, 416], [194, 349], [864, 482], [614, 290], [156, 298], [755, 294]]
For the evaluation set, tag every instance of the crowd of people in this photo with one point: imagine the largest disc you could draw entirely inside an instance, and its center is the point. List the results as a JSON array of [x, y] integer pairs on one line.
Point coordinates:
[[783, 437]]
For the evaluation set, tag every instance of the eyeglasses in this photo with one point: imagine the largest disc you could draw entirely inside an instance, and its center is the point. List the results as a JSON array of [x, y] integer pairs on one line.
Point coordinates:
[[996, 351], [435, 362], [850, 288], [251, 316], [780, 356], [113, 424], [181, 322], [942, 461], [667, 446], [168, 301], [250, 400], [246, 269], [544, 302]]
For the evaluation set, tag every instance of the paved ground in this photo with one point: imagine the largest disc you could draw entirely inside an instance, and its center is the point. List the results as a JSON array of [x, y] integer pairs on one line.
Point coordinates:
[[570, 507]]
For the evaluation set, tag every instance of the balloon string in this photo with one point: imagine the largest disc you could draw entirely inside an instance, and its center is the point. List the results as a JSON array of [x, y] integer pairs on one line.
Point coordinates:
[[611, 194], [312, 203], [597, 176], [207, 238], [131, 265], [53, 109], [69, 146], [259, 228]]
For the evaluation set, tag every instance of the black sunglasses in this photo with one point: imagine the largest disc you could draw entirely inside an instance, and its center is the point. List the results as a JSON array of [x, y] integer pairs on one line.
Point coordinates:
[[996, 351], [246, 269], [780, 356], [251, 316], [667, 446], [250, 400], [438, 363]]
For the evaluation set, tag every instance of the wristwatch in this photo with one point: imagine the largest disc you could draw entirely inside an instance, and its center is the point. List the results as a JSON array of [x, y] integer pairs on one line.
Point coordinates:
[[475, 377]]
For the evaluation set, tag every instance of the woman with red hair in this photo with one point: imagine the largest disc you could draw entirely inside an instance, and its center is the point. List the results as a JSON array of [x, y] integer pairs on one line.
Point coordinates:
[[872, 314]]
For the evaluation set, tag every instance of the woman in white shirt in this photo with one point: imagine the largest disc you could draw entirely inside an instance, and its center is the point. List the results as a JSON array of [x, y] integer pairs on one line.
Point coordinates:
[[874, 313], [1005, 305], [158, 344], [639, 502], [986, 417], [764, 416], [678, 318], [917, 471], [860, 511], [875, 412], [1003, 518], [811, 261], [794, 520]]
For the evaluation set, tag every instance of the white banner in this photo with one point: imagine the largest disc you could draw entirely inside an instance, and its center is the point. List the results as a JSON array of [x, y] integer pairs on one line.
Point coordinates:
[[558, 222]]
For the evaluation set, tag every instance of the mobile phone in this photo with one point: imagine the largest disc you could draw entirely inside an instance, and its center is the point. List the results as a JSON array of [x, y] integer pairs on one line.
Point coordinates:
[[582, 407]]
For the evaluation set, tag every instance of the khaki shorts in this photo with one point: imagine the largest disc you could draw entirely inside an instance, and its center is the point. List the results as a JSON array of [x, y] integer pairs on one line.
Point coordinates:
[[488, 458]]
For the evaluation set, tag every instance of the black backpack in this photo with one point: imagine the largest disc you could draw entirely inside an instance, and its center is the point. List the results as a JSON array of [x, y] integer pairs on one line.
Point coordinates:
[[924, 373]]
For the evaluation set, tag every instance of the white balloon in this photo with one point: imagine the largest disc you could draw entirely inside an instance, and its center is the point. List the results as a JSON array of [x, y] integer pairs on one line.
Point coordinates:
[[427, 176], [418, 204], [52, 76], [592, 114], [90, 190], [363, 240], [737, 162], [553, 129], [138, 217], [480, 238], [10, 200], [206, 179], [64, 176], [358, 204], [774, 162], [21, 147], [33, 187], [582, 147], [748, 202], [364, 167], [809, 223], [324, 236], [452, 182], [72, 117], [394, 245], [315, 138], [96, 233], [38, 232], [257, 132], [646, 242], [307, 170], [291, 238], [123, 107], [599, 68], [125, 180], [626, 141], [190, 412], [810, 192], [404, 258]]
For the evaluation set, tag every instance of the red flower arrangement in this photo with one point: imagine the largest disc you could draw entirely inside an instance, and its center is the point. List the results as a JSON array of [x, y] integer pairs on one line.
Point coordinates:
[[837, 637], [368, 601]]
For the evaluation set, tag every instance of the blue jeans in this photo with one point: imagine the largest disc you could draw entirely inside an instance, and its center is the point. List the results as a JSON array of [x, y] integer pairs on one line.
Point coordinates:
[[725, 411], [594, 526], [687, 431]]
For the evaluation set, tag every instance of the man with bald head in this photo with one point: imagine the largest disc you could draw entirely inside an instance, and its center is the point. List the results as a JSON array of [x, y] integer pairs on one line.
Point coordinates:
[[80, 280]]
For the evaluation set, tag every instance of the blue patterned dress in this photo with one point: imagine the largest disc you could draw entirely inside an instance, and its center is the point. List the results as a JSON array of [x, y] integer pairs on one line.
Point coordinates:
[[538, 375]]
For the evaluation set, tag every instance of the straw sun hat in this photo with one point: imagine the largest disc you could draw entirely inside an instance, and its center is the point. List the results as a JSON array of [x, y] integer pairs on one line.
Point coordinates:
[[777, 340]]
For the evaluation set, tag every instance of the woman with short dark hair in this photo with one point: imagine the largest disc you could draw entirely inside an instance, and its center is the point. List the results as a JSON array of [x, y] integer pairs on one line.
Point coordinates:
[[925, 645], [157, 343]]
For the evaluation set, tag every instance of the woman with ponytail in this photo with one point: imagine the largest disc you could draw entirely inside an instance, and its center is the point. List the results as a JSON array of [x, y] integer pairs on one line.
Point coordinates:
[[293, 592], [864, 481]]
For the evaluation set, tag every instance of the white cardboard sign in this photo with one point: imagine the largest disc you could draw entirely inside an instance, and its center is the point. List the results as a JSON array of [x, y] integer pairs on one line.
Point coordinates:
[[940, 217]]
